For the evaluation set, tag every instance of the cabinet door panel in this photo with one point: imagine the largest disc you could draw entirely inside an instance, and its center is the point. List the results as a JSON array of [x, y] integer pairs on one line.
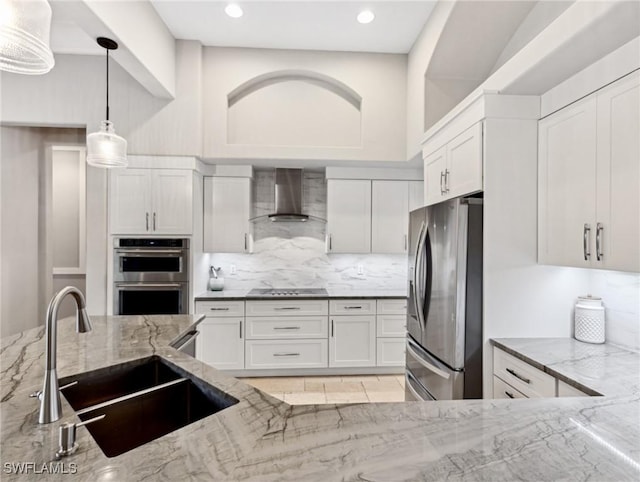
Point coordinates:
[[352, 341], [172, 201], [220, 343], [463, 174], [619, 175], [567, 182], [130, 200], [349, 216], [389, 216], [434, 166], [390, 352], [227, 205]]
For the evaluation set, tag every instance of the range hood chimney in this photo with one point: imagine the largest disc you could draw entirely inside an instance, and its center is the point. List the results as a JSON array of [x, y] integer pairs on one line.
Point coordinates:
[[288, 194]]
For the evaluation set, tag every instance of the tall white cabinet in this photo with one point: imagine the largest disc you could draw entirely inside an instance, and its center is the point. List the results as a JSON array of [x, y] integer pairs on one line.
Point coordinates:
[[151, 201], [227, 208], [589, 181]]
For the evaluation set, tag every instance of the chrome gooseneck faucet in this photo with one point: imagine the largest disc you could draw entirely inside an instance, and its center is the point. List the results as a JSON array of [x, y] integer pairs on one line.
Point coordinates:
[[50, 409]]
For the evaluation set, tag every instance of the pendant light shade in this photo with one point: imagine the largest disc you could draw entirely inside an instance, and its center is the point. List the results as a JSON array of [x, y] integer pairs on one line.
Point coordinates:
[[105, 148], [24, 36]]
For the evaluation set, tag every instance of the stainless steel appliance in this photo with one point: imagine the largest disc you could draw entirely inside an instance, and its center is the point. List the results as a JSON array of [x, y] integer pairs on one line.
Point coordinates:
[[444, 309], [288, 292], [151, 276]]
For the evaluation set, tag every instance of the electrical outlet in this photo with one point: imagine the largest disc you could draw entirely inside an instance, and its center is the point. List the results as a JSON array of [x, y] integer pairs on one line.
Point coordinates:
[[360, 269], [233, 269]]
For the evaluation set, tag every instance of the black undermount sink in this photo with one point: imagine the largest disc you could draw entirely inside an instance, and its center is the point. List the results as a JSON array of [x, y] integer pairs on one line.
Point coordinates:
[[142, 401]]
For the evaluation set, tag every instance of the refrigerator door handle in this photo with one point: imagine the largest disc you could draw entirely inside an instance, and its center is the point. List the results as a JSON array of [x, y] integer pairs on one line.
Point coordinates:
[[418, 358], [410, 380], [424, 279], [417, 274]]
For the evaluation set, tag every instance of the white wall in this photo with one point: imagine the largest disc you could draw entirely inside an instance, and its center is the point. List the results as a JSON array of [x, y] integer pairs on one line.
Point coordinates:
[[26, 262], [379, 79], [417, 64]]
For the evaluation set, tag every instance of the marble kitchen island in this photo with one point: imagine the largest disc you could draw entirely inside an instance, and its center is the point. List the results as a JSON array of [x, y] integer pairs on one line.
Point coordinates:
[[263, 439]]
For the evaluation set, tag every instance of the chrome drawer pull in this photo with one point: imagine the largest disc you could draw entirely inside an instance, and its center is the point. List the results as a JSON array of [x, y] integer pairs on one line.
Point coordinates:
[[599, 229], [353, 307], [286, 327], [219, 309], [586, 251], [286, 354], [519, 377], [508, 394], [288, 308]]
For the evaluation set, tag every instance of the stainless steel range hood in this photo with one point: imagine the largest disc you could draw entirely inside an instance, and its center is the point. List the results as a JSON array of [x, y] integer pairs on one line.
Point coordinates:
[[289, 193]]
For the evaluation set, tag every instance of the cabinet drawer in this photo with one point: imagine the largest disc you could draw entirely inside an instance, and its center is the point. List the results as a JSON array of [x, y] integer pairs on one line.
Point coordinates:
[[268, 327], [287, 307], [220, 308], [392, 326], [522, 376], [352, 307], [286, 353], [390, 352], [392, 307], [566, 390], [504, 390]]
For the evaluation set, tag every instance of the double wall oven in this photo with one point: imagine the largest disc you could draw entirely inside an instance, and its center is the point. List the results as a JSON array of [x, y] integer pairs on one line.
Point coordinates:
[[150, 276]]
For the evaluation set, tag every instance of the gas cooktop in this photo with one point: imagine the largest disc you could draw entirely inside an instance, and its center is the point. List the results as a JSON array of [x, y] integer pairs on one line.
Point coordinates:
[[287, 292]]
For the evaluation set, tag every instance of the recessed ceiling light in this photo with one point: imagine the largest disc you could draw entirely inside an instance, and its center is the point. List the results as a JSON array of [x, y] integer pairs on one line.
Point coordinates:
[[366, 16], [233, 10]]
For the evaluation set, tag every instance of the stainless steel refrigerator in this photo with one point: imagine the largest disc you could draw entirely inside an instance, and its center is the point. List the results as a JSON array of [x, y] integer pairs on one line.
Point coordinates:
[[444, 309]]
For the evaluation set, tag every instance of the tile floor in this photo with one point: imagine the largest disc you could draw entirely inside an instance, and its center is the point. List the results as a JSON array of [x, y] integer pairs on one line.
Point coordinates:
[[335, 389]]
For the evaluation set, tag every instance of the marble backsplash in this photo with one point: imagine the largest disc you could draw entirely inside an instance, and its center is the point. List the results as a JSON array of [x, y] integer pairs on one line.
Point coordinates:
[[620, 293], [292, 254]]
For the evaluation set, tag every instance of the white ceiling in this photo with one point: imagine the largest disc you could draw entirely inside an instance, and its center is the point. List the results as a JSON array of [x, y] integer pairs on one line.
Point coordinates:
[[305, 25]]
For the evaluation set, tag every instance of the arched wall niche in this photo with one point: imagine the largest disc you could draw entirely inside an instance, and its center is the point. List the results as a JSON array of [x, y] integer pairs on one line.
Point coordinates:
[[294, 108]]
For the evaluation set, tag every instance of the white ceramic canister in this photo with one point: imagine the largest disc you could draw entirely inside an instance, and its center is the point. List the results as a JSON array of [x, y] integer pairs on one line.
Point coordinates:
[[589, 319]]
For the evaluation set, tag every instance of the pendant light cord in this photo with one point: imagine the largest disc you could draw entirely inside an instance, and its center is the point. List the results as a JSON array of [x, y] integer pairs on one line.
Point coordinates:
[[107, 83]]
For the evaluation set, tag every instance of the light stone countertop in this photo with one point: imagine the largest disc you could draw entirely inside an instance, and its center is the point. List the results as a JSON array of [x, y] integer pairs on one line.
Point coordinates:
[[231, 295], [264, 439]]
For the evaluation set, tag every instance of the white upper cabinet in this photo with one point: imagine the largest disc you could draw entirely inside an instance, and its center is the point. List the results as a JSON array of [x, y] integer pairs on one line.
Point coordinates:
[[618, 153], [567, 181], [151, 201], [589, 181], [389, 216], [227, 208], [348, 216], [416, 195], [455, 169]]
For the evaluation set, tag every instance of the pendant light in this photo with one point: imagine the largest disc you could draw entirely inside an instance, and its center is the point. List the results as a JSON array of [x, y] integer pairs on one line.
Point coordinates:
[[105, 148], [24, 37]]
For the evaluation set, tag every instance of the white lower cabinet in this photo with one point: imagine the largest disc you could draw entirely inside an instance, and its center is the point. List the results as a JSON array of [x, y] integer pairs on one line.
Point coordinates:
[[220, 343], [221, 340], [515, 378], [295, 353], [352, 341], [390, 352]]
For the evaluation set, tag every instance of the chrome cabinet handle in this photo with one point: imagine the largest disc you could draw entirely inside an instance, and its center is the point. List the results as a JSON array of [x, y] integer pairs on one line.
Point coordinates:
[[353, 307], [147, 216], [406, 241], [508, 394], [442, 183], [599, 229], [446, 180], [154, 221], [332, 328], [245, 241], [282, 308], [330, 246], [240, 329], [585, 241], [286, 354], [219, 309], [519, 377], [286, 327]]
